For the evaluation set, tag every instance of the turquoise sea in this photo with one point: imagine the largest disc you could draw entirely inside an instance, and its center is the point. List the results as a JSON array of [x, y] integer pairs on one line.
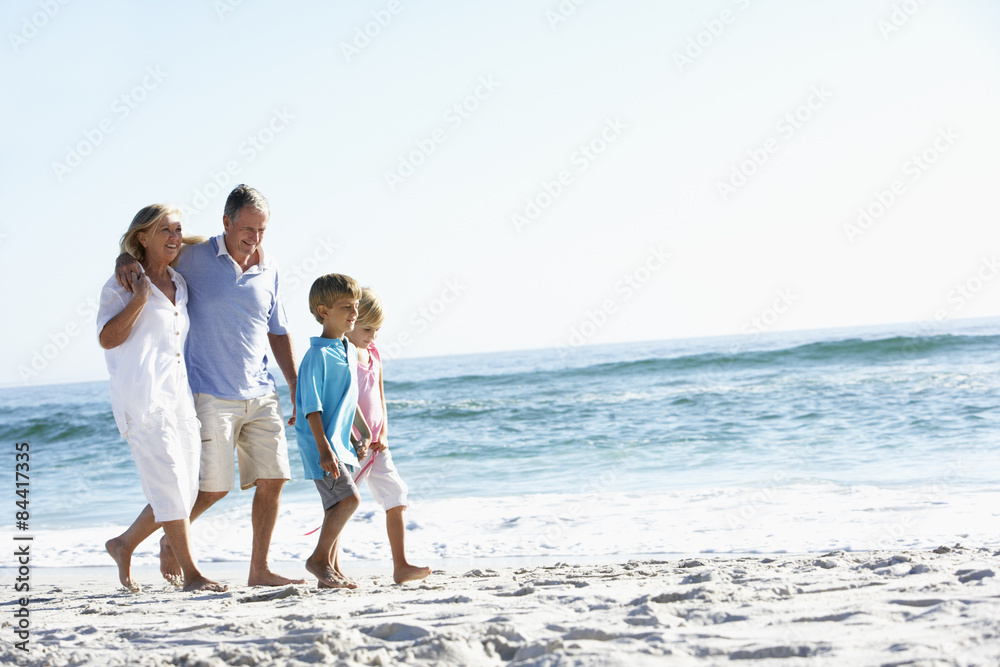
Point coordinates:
[[849, 438]]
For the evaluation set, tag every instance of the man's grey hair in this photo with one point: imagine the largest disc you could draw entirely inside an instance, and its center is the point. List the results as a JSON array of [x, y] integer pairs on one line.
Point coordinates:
[[243, 196]]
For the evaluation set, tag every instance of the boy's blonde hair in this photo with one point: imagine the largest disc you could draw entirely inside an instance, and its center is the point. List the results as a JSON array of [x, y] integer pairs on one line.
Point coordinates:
[[370, 312], [329, 289]]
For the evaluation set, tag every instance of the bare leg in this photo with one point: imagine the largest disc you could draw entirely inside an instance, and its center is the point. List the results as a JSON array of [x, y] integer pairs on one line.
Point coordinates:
[[169, 567], [177, 535], [350, 583], [321, 563], [266, 501], [120, 548], [401, 569]]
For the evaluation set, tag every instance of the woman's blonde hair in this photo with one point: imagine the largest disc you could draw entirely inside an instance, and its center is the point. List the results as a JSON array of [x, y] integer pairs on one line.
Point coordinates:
[[370, 313], [144, 222]]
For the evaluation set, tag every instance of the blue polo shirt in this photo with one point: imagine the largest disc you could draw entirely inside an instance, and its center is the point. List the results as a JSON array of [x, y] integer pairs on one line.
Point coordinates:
[[328, 384], [231, 311]]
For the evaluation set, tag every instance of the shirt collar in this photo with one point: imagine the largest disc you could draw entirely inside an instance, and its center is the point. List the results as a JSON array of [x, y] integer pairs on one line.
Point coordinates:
[[319, 341], [222, 250]]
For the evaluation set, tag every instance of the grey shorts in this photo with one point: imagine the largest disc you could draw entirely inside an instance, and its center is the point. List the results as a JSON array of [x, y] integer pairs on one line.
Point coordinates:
[[332, 491]]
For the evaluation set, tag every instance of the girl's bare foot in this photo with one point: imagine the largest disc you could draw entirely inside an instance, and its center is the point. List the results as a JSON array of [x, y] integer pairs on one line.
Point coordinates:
[[124, 562], [409, 573]]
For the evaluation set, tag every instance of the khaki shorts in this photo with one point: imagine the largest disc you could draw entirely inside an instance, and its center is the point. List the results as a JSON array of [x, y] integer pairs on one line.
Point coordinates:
[[255, 428]]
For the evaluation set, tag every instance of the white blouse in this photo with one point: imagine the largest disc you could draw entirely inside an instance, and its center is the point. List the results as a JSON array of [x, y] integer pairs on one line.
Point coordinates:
[[148, 374]]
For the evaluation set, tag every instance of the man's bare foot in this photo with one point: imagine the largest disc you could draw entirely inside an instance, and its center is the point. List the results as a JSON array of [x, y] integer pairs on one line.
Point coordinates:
[[169, 567], [409, 573], [201, 583], [268, 578], [124, 562]]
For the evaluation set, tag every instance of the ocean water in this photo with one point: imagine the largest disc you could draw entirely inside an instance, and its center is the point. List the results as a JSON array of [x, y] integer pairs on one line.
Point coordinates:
[[809, 441]]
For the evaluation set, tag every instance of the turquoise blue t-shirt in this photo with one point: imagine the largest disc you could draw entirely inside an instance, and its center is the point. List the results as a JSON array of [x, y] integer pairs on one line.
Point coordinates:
[[328, 383]]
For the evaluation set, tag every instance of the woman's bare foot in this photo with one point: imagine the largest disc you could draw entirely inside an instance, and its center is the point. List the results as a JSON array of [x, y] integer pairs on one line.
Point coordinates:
[[202, 583], [409, 573], [169, 567], [124, 561]]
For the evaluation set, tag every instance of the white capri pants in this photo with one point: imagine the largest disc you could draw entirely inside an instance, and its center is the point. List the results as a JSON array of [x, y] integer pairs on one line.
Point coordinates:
[[167, 451], [387, 487]]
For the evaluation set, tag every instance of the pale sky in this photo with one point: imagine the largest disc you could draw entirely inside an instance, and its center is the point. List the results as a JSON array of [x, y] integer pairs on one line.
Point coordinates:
[[512, 175]]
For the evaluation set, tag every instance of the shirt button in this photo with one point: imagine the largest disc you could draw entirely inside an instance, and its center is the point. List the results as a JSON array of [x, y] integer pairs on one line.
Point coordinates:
[[178, 354]]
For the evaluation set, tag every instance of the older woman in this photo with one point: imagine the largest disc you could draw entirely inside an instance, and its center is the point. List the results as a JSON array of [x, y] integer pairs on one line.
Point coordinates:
[[143, 333]]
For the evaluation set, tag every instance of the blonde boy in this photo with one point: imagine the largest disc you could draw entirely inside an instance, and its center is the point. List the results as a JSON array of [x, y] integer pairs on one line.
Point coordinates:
[[326, 400]]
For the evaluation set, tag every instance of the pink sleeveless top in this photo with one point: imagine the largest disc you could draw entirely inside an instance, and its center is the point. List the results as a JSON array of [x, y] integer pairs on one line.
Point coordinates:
[[369, 397]]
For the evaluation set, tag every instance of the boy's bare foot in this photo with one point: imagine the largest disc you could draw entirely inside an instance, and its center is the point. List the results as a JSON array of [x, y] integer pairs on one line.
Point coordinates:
[[124, 562], [328, 577], [268, 578], [202, 583], [350, 582], [409, 573], [170, 569]]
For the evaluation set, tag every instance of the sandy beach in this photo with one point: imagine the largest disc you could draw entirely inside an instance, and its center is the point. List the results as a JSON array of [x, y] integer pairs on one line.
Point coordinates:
[[927, 608]]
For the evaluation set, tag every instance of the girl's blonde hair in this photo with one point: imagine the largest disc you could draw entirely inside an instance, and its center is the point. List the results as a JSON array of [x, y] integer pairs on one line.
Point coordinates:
[[370, 313]]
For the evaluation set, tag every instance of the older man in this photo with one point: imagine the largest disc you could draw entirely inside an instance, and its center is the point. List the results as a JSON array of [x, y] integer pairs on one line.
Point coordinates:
[[235, 313]]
